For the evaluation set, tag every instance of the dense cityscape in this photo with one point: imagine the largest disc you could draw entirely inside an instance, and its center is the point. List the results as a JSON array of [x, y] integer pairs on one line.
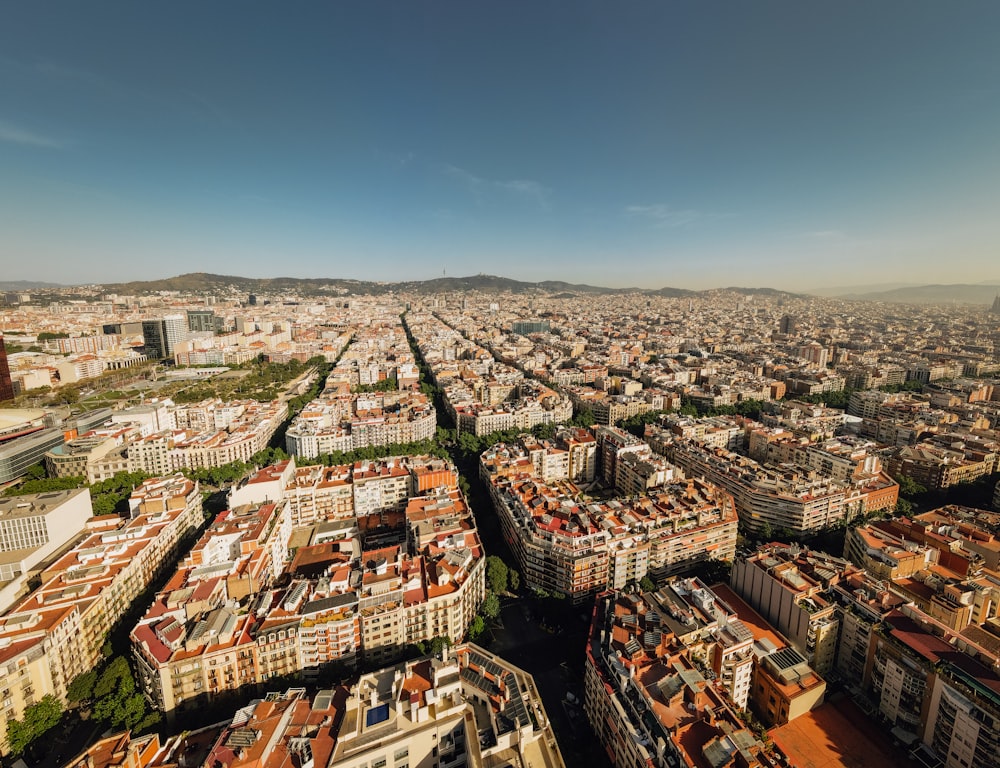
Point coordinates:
[[499, 384], [486, 527]]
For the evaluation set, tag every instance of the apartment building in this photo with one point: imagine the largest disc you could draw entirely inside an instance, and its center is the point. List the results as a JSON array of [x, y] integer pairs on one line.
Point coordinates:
[[784, 685], [577, 547], [317, 493], [937, 467], [43, 521], [57, 632], [73, 458], [884, 554], [771, 499], [465, 708], [650, 701], [961, 537], [787, 585], [33, 528], [249, 426], [120, 750], [863, 601], [612, 444], [347, 422], [399, 572]]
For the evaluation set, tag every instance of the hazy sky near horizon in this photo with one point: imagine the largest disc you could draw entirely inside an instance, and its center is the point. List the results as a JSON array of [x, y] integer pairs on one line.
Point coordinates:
[[692, 144]]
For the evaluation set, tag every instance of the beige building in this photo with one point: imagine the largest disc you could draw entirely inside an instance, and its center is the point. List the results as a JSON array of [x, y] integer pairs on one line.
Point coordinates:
[[787, 586], [74, 457], [576, 546], [362, 588], [647, 693], [57, 632], [469, 708], [33, 528], [466, 708]]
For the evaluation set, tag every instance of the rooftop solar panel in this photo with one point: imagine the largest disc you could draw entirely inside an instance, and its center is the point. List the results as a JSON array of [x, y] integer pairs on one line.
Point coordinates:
[[376, 715]]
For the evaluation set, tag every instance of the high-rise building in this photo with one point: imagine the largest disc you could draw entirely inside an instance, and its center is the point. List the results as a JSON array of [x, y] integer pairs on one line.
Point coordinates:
[[995, 309], [6, 385], [787, 325], [163, 334], [524, 327], [203, 320]]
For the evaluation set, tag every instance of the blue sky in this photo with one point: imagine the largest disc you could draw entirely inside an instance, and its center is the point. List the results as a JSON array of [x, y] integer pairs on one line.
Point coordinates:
[[694, 144]]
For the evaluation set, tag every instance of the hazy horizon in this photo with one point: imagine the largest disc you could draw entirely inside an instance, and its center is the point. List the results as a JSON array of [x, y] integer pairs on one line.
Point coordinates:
[[771, 144]]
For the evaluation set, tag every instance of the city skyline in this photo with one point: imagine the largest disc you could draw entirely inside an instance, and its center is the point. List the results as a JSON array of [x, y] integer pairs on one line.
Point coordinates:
[[647, 146]]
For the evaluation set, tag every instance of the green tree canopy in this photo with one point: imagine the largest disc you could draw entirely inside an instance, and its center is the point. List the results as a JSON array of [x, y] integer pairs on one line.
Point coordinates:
[[38, 718], [513, 580], [476, 628], [909, 487], [491, 606], [496, 574], [82, 687]]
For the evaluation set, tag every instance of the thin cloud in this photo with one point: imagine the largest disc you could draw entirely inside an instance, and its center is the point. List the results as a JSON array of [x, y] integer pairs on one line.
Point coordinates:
[[663, 215], [826, 234], [59, 71], [528, 189], [13, 134]]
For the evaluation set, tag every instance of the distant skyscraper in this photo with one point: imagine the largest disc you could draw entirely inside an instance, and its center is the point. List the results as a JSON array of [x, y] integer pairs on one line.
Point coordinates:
[[202, 320], [787, 326], [162, 335], [6, 385], [524, 327], [995, 309], [252, 300]]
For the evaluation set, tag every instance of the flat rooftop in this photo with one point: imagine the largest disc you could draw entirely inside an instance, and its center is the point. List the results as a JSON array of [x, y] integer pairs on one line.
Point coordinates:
[[837, 734], [16, 417], [32, 504]]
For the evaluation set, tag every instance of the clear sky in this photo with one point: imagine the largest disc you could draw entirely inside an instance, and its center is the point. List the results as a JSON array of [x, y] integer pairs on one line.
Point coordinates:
[[691, 143]]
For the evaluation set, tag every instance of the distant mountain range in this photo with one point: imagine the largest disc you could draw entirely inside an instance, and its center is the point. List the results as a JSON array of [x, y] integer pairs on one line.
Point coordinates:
[[26, 285], [206, 283], [957, 293], [202, 282]]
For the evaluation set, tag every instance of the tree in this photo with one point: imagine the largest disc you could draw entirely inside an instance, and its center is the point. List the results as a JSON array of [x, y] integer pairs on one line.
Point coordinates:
[[38, 718], [438, 644], [637, 424], [513, 580], [904, 507], [491, 606], [909, 487], [496, 574], [584, 418], [44, 485], [750, 408], [67, 394], [82, 687], [476, 628], [646, 584], [117, 701]]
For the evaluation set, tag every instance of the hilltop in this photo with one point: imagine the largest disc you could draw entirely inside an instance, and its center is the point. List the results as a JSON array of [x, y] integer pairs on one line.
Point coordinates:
[[204, 282]]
